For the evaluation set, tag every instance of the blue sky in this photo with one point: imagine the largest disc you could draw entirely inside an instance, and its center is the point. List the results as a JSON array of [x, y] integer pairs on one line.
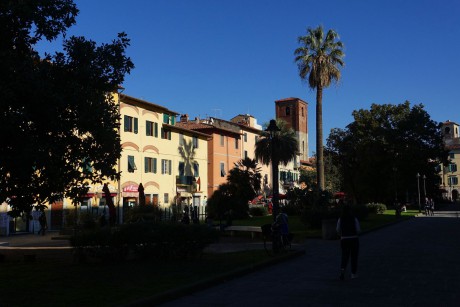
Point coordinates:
[[224, 58]]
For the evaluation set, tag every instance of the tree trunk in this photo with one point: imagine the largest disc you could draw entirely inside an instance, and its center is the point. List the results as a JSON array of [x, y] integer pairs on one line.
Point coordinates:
[[275, 198], [319, 138]]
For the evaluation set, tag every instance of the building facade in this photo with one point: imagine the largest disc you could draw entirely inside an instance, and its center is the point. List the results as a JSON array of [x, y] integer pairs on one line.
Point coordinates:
[[450, 174]]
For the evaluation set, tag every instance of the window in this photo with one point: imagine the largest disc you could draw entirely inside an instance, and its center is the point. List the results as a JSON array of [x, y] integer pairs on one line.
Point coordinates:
[[165, 134], [149, 128], [166, 166], [288, 111], [181, 139], [245, 136], [245, 154], [195, 142], [196, 169], [237, 143], [452, 155], [452, 168], [169, 119], [166, 198], [221, 140], [131, 165], [222, 170], [156, 130], [150, 165], [256, 138], [453, 180], [130, 124], [302, 111]]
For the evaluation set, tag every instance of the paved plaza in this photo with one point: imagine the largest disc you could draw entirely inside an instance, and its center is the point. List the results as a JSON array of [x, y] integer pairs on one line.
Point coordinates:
[[412, 263]]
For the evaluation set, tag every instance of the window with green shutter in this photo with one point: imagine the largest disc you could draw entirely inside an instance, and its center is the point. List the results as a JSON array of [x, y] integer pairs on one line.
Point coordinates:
[[135, 125], [130, 124], [156, 130], [149, 128], [131, 165]]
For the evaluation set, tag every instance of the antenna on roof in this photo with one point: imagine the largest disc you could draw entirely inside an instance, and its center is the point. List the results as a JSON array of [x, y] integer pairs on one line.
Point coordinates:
[[217, 111]]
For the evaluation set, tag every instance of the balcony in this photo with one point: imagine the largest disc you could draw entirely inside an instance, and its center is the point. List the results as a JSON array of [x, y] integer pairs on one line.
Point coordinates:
[[185, 180]]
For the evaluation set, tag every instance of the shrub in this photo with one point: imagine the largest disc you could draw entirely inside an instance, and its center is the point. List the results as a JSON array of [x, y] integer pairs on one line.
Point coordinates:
[[360, 211], [145, 240], [258, 211], [313, 216], [376, 208]]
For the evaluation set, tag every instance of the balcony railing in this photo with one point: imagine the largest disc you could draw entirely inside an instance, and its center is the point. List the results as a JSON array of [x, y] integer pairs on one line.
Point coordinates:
[[184, 180]]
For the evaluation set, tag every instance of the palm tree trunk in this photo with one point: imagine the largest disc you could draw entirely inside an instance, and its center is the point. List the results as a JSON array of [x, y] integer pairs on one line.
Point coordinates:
[[319, 138], [275, 196]]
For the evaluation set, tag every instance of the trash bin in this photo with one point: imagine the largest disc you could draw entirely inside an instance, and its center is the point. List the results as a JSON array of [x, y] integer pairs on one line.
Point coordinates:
[[329, 231]]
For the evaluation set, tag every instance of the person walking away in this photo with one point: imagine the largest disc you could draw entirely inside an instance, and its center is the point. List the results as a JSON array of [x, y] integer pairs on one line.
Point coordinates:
[[43, 223], [348, 228], [283, 225], [431, 207], [427, 206]]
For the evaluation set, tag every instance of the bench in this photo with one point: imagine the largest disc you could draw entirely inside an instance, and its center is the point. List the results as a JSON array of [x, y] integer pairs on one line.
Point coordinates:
[[251, 229]]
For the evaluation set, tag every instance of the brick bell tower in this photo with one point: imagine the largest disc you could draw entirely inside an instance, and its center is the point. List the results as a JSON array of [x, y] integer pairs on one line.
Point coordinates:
[[294, 111]]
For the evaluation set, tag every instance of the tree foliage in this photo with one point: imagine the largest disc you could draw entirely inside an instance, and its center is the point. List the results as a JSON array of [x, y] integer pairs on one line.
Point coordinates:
[[318, 59], [243, 184], [58, 121], [285, 146], [384, 148]]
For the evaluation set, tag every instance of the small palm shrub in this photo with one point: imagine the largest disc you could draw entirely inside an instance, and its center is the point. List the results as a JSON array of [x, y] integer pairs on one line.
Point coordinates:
[[376, 208]]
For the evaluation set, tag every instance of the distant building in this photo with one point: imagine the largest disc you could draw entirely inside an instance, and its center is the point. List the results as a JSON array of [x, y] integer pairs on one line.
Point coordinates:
[[294, 111], [450, 174]]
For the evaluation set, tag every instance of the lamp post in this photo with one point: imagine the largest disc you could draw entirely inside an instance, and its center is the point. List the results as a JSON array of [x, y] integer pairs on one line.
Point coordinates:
[[424, 187], [418, 191], [273, 129], [395, 170]]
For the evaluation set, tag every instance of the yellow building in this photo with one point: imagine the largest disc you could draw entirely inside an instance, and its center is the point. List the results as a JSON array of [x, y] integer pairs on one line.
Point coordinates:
[[171, 162]]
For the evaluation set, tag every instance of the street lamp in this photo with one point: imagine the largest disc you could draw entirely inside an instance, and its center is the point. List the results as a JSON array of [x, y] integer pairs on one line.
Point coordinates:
[[418, 190], [424, 187], [273, 129]]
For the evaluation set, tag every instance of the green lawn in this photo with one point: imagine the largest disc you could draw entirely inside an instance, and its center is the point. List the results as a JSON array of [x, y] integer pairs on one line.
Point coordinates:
[[57, 282], [301, 232]]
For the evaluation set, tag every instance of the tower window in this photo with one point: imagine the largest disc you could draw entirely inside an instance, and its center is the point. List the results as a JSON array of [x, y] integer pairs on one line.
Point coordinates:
[[288, 111]]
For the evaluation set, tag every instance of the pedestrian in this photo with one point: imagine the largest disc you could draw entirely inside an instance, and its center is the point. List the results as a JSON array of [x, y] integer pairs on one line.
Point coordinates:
[[281, 223], [43, 223], [348, 228], [427, 206], [431, 207]]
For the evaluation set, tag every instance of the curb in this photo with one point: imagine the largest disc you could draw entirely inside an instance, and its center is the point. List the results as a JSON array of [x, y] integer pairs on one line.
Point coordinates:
[[206, 283]]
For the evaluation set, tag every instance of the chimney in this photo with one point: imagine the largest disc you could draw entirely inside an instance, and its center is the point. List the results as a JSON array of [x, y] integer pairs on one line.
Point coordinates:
[[197, 120], [184, 118]]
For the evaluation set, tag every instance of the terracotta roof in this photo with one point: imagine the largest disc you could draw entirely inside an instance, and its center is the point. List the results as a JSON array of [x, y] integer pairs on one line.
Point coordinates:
[[449, 122], [289, 99], [191, 125], [125, 97]]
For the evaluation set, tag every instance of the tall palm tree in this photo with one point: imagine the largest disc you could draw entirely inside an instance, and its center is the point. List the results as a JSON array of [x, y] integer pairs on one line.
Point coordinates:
[[282, 148], [318, 59]]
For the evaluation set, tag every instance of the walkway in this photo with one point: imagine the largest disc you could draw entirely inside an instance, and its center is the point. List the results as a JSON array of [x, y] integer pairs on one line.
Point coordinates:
[[412, 263]]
